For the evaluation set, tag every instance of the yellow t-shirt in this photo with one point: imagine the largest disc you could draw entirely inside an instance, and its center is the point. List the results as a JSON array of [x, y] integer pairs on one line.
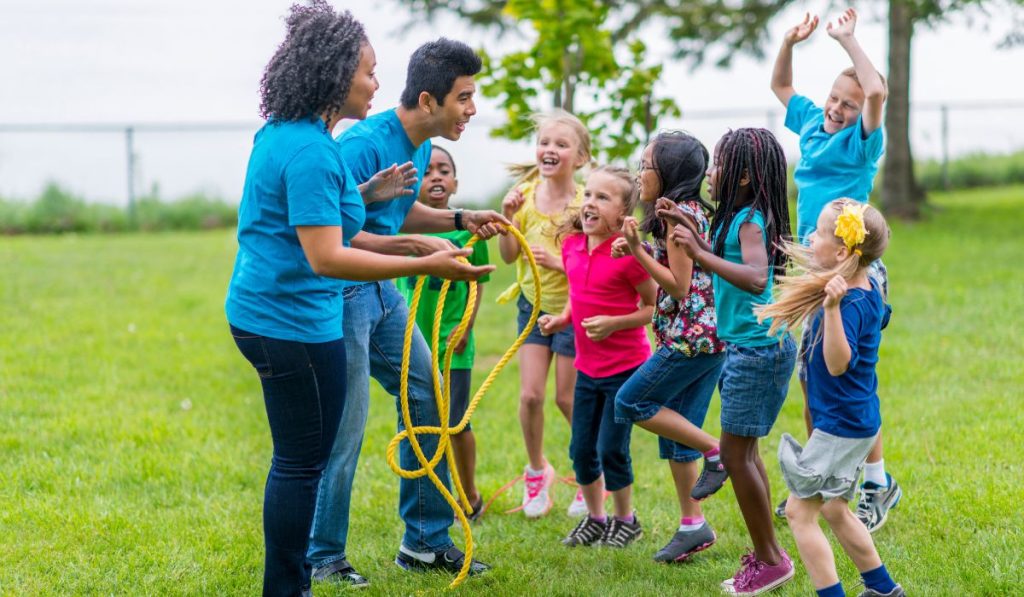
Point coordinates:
[[540, 229]]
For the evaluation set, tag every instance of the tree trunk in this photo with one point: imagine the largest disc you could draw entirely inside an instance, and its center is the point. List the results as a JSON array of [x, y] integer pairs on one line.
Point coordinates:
[[901, 195]]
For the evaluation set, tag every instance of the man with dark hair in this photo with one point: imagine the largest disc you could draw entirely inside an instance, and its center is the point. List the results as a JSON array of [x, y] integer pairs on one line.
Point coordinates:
[[437, 102]]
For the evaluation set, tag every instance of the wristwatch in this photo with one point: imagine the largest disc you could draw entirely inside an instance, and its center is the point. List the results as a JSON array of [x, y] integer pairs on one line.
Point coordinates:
[[458, 220]]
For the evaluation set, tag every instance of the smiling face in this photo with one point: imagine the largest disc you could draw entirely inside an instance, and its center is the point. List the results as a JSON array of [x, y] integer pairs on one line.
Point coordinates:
[[604, 204], [558, 150], [439, 182], [364, 85], [844, 104], [827, 250], [648, 178], [451, 117]]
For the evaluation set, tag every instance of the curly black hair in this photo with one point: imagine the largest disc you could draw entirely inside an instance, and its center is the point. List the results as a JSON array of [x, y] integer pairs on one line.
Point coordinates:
[[312, 70], [433, 68]]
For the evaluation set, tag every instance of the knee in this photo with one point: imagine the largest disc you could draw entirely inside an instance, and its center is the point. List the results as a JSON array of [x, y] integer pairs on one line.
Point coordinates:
[[733, 458], [836, 512], [531, 398], [564, 399], [797, 512]]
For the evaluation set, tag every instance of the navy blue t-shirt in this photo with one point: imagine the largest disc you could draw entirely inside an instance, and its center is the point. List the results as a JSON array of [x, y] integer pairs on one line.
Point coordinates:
[[847, 405]]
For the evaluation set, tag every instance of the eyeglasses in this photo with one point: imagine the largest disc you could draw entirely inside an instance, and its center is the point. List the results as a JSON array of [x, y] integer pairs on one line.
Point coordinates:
[[641, 166]]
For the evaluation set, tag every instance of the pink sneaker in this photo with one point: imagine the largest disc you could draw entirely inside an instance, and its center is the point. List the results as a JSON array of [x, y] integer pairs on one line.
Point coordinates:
[[536, 497], [755, 577]]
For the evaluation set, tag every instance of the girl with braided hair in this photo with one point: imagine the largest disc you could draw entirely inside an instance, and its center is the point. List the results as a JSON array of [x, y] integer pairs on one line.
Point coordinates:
[[748, 181]]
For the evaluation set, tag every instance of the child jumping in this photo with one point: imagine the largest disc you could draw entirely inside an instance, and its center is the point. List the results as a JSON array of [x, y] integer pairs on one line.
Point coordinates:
[[610, 303], [670, 393], [832, 287], [747, 181], [537, 206], [840, 147], [439, 184]]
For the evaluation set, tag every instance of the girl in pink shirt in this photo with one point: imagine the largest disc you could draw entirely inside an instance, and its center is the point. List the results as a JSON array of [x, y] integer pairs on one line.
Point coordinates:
[[610, 302]]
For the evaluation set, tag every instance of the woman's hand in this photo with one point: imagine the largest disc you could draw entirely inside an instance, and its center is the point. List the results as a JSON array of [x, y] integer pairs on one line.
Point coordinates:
[[598, 327], [552, 324], [835, 290], [445, 264], [512, 202], [396, 181], [422, 245], [484, 223], [802, 31]]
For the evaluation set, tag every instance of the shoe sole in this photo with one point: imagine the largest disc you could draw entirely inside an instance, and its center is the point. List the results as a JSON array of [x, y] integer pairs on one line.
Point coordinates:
[[686, 556], [885, 515], [728, 587], [696, 499]]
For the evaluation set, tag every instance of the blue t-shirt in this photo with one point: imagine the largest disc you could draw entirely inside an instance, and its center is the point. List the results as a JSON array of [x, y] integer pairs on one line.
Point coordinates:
[[831, 166], [377, 143], [737, 323], [296, 177], [847, 405]]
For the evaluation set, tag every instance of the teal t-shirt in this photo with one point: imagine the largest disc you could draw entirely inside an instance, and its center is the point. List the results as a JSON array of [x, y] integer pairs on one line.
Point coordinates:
[[296, 177], [737, 323], [831, 166], [454, 302]]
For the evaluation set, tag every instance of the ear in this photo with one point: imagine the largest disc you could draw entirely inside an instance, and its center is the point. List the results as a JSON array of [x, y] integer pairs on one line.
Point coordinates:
[[744, 178], [455, 189], [843, 253], [427, 102]]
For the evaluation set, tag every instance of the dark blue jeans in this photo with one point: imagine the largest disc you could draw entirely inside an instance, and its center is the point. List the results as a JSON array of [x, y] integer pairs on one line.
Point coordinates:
[[599, 444], [304, 393]]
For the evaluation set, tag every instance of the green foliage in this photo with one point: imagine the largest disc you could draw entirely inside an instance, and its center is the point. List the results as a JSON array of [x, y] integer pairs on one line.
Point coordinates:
[[58, 211], [974, 170]]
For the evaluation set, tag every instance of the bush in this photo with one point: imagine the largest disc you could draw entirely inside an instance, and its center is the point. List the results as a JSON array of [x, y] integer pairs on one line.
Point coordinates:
[[973, 170]]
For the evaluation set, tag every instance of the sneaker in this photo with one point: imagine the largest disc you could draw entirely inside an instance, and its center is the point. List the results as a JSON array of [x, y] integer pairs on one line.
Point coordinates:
[[876, 501], [578, 506], [686, 543], [897, 592], [780, 510], [755, 577], [536, 499], [341, 572], [711, 479], [478, 509], [446, 561], [621, 533], [587, 532]]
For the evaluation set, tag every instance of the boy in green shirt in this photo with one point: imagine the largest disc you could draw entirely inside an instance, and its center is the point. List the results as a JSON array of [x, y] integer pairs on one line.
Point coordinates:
[[439, 184]]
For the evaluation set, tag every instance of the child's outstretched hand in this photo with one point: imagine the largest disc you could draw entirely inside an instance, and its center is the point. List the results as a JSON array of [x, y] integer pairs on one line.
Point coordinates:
[[802, 31], [598, 327], [835, 290], [620, 248], [845, 25], [551, 324], [512, 202], [631, 232]]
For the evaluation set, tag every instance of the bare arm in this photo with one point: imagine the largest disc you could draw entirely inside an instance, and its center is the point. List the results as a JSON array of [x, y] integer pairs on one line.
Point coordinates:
[[508, 246], [750, 276], [404, 245], [834, 344], [782, 74], [867, 75], [461, 346], [666, 277], [425, 219]]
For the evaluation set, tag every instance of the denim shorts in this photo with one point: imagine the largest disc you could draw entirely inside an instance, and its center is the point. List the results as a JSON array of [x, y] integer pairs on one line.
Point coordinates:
[[461, 385], [754, 384], [670, 379], [560, 343]]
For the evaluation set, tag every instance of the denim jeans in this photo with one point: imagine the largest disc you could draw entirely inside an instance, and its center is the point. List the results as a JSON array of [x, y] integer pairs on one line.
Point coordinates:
[[599, 444], [375, 318], [304, 394]]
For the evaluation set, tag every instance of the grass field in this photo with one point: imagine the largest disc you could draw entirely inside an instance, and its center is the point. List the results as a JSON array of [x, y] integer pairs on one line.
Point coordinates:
[[134, 446]]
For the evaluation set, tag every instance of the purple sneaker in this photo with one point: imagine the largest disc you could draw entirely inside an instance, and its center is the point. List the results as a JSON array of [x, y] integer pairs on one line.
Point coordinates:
[[755, 577]]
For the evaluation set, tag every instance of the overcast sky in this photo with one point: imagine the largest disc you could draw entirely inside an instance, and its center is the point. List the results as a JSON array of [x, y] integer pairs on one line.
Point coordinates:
[[123, 61]]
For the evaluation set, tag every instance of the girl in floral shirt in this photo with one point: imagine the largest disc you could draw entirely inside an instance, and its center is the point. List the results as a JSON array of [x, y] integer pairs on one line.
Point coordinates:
[[669, 394]]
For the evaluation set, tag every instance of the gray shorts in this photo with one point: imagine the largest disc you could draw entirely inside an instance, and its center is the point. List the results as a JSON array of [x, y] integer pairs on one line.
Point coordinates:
[[827, 467]]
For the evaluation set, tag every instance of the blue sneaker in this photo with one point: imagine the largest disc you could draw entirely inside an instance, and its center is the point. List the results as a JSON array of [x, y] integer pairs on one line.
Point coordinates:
[[876, 501]]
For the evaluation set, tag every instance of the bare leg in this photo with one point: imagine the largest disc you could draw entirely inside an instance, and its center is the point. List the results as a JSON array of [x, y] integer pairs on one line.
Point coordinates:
[[815, 551], [739, 455], [623, 501], [669, 424], [593, 494], [534, 362], [565, 385], [807, 410], [852, 535], [464, 446], [685, 476]]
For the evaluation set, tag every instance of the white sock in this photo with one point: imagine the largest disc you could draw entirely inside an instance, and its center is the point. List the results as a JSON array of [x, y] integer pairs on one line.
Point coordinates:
[[875, 473], [691, 524], [423, 556], [532, 473]]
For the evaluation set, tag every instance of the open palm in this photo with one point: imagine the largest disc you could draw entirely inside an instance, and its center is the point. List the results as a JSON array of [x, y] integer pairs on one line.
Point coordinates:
[[844, 26], [803, 30]]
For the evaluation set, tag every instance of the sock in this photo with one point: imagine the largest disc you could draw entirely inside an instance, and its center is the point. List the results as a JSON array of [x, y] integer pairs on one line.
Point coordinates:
[[600, 519], [874, 472], [628, 519], [878, 580], [835, 590], [687, 523], [713, 455], [532, 473], [423, 556]]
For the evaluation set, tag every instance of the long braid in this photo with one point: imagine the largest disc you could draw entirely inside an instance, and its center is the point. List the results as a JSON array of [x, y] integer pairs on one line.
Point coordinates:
[[756, 153]]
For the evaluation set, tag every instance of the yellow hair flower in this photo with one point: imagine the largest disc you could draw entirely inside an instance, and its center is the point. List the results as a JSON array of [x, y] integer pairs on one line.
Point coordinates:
[[850, 225]]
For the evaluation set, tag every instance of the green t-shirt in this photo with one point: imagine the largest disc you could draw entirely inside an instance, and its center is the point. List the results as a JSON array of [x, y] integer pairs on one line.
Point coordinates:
[[454, 302]]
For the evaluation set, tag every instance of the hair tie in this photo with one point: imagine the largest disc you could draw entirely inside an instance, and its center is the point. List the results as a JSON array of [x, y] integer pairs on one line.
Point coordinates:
[[850, 226]]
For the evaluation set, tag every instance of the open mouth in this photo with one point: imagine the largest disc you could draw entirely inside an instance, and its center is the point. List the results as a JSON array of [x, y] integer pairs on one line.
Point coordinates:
[[834, 120], [589, 217], [436, 192], [460, 126], [549, 161]]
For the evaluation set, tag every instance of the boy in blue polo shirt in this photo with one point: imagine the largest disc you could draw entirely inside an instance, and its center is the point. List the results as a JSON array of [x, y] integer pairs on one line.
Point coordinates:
[[841, 145]]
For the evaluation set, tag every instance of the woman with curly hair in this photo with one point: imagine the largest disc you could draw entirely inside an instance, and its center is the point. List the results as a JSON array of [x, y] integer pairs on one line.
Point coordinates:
[[299, 208]]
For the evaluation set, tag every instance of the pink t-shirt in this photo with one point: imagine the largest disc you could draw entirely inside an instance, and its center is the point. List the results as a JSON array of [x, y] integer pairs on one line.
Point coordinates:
[[601, 285]]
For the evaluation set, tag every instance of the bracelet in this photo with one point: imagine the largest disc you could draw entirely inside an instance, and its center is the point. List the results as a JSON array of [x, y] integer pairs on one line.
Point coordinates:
[[458, 220]]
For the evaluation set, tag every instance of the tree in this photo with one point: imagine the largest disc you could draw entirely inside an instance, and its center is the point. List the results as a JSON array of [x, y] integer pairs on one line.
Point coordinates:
[[586, 57]]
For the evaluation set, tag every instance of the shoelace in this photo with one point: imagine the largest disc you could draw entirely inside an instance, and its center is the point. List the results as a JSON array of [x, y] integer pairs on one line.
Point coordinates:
[[534, 485], [749, 568]]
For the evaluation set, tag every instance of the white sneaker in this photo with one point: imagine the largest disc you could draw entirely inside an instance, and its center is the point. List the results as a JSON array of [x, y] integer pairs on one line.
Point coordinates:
[[578, 506], [536, 496]]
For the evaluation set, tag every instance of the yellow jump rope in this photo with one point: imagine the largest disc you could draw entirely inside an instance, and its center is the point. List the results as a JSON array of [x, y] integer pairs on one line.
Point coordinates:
[[442, 394]]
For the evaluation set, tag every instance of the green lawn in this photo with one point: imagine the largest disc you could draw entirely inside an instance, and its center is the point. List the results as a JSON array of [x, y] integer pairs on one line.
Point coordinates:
[[134, 444]]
